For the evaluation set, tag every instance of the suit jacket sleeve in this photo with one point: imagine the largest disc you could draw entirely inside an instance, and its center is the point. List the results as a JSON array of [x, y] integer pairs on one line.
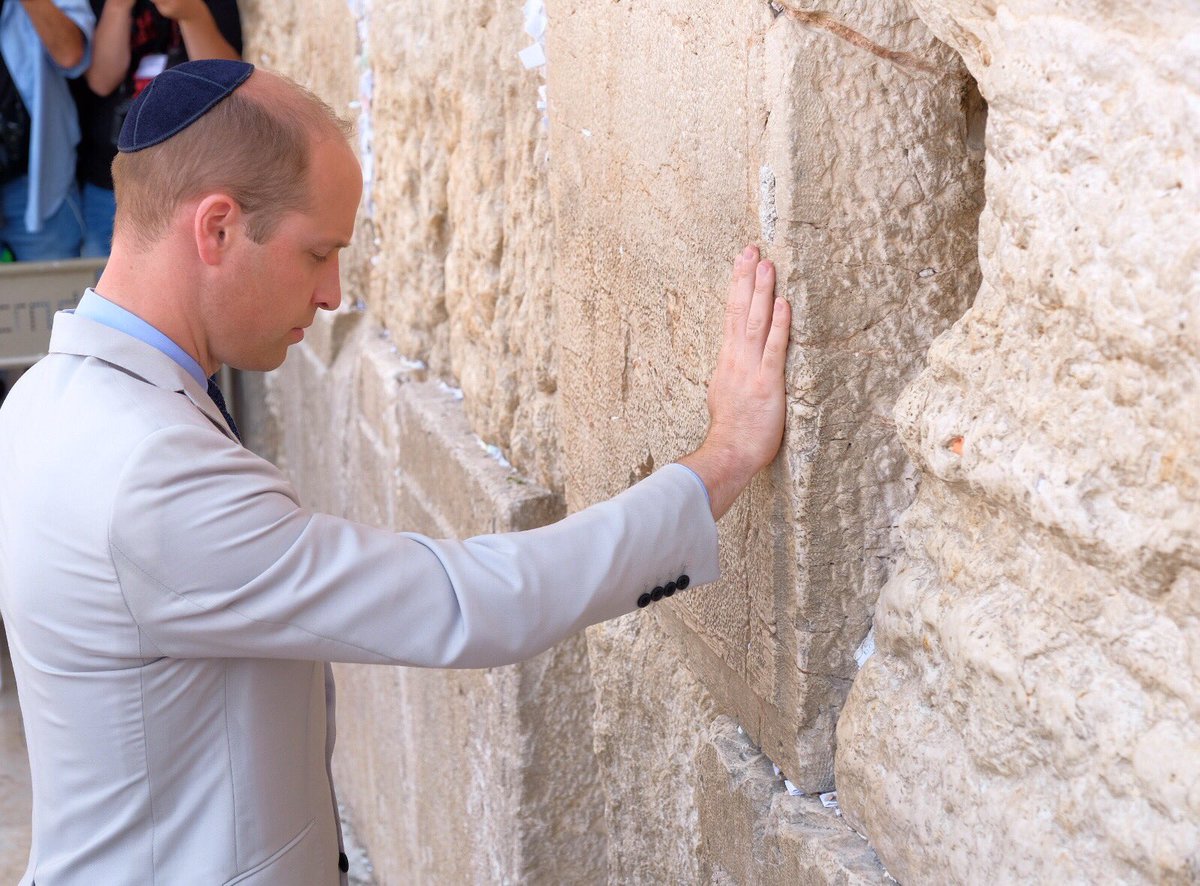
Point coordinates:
[[216, 557]]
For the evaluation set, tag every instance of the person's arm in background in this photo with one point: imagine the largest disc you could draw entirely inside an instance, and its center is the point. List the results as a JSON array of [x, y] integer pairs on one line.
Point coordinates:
[[63, 39], [201, 36], [746, 402], [110, 51]]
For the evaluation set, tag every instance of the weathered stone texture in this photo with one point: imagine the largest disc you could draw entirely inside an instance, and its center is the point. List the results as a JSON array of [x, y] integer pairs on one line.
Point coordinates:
[[454, 248], [690, 799], [287, 36], [1033, 711], [463, 217], [847, 143]]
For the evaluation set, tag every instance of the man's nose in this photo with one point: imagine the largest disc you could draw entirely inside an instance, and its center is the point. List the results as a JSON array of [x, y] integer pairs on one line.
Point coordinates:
[[329, 287]]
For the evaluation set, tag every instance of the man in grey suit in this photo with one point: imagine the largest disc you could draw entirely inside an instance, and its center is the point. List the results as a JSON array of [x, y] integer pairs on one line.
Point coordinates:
[[171, 605]]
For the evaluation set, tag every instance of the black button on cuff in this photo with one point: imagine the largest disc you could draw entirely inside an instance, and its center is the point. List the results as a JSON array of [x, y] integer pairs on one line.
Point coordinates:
[[658, 593], [343, 862], [682, 582], [669, 589], [644, 601]]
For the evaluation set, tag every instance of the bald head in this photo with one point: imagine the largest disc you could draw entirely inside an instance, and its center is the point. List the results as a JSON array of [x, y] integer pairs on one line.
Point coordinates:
[[254, 145]]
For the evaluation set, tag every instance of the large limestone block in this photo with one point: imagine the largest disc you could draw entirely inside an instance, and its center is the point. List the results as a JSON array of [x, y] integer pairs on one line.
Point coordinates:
[[462, 213], [847, 144], [453, 252], [1033, 711]]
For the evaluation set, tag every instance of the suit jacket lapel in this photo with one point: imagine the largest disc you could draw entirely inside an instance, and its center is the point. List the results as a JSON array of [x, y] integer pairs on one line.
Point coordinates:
[[86, 338]]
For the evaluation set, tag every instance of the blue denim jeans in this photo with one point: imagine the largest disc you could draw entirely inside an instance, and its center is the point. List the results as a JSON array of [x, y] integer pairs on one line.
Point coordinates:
[[60, 235], [98, 209]]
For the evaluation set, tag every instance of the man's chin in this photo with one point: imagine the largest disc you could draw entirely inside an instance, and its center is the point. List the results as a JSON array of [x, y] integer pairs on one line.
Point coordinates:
[[259, 363]]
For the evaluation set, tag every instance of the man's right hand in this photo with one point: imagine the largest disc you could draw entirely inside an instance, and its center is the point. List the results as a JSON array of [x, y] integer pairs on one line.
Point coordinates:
[[746, 405]]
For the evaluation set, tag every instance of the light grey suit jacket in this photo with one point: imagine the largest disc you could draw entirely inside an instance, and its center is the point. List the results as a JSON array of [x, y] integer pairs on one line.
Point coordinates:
[[169, 604]]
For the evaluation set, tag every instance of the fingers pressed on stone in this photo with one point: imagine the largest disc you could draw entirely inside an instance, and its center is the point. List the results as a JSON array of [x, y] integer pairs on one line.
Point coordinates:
[[775, 350], [762, 297], [741, 293], [747, 261]]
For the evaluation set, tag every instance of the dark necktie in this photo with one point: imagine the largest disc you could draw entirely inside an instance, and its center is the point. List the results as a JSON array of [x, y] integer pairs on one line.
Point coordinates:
[[215, 393]]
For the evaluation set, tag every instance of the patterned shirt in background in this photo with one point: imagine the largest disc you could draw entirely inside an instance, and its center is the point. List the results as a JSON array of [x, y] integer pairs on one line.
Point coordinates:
[[155, 44]]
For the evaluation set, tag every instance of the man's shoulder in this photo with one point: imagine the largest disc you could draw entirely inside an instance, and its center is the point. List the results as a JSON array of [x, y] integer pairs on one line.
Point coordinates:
[[71, 407], [107, 390]]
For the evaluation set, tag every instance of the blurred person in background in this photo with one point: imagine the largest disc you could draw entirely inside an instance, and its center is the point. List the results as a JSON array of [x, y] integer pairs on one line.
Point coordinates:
[[136, 40], [42, 44]]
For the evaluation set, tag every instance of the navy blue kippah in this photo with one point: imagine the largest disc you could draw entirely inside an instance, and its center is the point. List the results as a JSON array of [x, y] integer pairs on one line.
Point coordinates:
[[177, 98]]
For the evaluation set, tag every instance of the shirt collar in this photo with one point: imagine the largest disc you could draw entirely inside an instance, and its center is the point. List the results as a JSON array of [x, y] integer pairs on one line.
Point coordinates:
[[95, 307]]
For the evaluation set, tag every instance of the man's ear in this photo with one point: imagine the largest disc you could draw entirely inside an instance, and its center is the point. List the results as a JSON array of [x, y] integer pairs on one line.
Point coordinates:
[[217, 224]]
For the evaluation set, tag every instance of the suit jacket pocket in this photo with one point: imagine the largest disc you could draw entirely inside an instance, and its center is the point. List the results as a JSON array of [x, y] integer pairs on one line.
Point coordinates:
[[279, 867]]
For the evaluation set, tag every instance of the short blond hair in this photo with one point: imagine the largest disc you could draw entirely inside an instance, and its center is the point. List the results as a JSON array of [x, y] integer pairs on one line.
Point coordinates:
[[255, 145]]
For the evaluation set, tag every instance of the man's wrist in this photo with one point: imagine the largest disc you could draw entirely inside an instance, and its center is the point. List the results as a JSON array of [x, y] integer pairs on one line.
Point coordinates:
[[699, 480], [723, 474]]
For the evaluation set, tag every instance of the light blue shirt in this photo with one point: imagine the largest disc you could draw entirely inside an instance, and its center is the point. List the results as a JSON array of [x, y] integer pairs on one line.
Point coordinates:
[[54, 126], [95, 307]]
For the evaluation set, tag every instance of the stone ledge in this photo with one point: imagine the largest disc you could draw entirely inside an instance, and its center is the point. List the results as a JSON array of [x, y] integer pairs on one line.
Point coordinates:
[[796, 836], [463, 474], [420, 425]]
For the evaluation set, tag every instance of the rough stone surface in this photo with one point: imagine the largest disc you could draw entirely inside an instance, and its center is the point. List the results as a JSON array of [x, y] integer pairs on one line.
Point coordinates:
[[690, 799], [453, 251], [1033, 713], [463, 215], [849, 144], [465, 776]]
